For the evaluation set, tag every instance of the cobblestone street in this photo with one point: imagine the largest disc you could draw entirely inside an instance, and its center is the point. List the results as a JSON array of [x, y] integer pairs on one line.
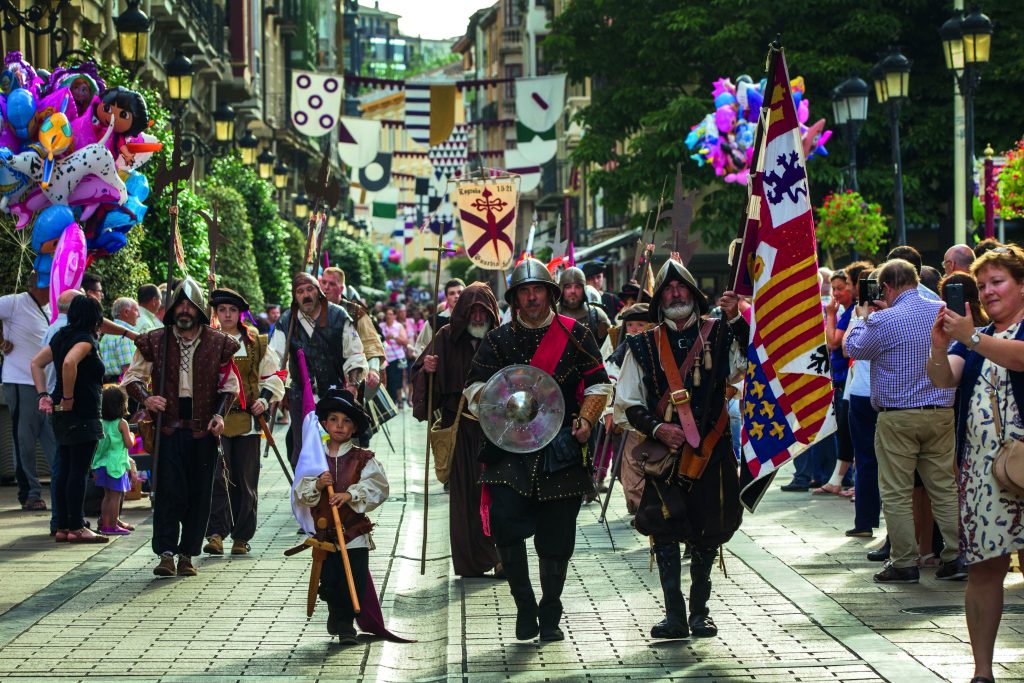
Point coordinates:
[[798, 604]]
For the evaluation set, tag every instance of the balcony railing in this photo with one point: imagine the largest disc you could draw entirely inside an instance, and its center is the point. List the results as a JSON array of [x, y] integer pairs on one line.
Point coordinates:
[[209, 18]]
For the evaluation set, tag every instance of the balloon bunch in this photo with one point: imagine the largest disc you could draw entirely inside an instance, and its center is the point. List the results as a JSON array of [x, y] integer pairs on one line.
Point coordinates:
[[70, 150], [725, 139]]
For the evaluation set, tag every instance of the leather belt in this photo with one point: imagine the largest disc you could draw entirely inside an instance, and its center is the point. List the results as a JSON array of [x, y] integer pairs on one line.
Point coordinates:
[[677, 395], [889, 410], [170, 424]]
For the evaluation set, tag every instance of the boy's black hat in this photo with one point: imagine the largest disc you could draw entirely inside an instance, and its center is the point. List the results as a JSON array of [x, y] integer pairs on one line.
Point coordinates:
[[342, 401]]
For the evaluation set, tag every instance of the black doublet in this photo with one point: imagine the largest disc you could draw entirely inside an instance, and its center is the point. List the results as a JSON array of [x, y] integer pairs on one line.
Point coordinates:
[[513, 344]]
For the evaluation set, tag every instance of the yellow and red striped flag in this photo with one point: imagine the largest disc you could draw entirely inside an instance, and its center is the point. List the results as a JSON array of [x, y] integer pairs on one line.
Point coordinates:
[[788, 391]]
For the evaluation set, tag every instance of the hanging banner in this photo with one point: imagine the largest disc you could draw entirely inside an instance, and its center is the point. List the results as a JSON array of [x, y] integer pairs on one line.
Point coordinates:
[[377, 174], [316, 102], [384, 210], [529, 173], [442, 113], [538, 147], [487, 211], [539, 101], [358, 140], [448, 158], [417, 112]]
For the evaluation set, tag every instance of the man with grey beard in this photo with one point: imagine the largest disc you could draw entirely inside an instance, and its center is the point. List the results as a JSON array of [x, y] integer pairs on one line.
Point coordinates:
[[192, 362], [573, 303], [672, 391], [473, 316]]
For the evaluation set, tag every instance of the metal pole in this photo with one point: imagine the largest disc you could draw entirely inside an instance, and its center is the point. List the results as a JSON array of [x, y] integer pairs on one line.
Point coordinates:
[[853, 130], [959, 182], [990, 200], [968, 88], [894, 123]]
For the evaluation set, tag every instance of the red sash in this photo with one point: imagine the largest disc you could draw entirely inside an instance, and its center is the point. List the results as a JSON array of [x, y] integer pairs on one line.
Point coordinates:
[[551, 348]]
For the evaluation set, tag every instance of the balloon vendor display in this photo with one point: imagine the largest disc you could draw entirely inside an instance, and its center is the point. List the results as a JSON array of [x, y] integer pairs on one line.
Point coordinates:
[[724, 139], [70, 150]]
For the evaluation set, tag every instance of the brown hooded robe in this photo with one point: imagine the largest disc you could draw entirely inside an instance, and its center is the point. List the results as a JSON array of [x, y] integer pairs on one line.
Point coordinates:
[[473, 553]]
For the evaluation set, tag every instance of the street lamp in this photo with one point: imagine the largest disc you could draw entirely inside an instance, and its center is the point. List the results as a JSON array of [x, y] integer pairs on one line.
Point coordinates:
[[266, 164], [248, 146], [966, 44], [850, 109], [179, 78], [132, 35], [224, 123], [892, 81], [280, 176], [301, 206]]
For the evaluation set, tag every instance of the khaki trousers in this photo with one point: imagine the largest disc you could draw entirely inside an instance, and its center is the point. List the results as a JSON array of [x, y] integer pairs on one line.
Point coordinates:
[[922, 440]]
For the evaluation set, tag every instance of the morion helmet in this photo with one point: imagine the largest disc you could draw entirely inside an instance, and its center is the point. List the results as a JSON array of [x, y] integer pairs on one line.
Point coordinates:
[[188, 289], [572, 276], [675, 271], [529, 271]]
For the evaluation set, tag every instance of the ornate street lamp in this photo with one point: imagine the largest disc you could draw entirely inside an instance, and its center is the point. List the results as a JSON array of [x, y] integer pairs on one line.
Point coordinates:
[[850, 110], [132, 36], [179, 78], [301, 206], [249, 146], [892, 82], [967, 44], [280, 176], [266, 164], [224, 123]]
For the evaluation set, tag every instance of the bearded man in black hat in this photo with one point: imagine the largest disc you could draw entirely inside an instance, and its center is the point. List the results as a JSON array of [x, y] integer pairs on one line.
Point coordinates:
[[672, 391], [200, 386], [539, 493], [325, 334], [238, 473], [573, 304]]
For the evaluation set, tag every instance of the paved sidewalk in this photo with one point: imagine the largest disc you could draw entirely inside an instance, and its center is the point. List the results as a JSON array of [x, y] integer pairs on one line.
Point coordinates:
[[798, 604]]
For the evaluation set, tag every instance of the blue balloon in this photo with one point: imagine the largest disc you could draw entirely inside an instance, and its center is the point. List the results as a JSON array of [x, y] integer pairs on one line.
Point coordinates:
[[21, 108], [50, 223]]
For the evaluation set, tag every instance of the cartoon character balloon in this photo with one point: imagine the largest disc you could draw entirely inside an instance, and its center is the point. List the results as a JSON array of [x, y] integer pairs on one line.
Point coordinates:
[[724, 139]]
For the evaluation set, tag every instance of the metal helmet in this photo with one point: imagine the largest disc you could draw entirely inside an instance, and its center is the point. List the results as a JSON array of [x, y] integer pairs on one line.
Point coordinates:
[[572, 276], [671, 271], [529, 271], [188, 289]]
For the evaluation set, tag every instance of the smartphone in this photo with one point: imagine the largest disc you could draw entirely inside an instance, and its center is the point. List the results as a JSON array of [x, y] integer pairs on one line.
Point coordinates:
[[954, 294], [867, 290]]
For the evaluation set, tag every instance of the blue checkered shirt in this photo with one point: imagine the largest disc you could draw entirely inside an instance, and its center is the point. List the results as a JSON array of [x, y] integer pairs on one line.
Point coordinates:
[[116, 351], [897, 341]]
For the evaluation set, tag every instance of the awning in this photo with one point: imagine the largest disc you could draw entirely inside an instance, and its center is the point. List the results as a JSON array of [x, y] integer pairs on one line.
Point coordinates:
[[622, 239]]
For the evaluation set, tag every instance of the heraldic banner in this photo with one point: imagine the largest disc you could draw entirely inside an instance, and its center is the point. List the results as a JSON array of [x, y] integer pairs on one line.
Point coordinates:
[[487, 212], [787, 395]]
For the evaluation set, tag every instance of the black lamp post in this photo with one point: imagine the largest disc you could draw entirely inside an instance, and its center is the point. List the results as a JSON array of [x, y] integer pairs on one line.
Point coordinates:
[[850, 110], [265, 163], [179, 78], [966, 45], [249, 146], [892, 82], [224, 123], [132, 36]]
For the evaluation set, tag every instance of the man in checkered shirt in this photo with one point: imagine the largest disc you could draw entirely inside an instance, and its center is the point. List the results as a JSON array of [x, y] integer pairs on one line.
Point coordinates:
[[117, 351], [915, 420]]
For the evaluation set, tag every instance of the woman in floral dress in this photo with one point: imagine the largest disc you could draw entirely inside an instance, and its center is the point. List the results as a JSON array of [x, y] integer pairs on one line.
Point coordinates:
[[988, 366]]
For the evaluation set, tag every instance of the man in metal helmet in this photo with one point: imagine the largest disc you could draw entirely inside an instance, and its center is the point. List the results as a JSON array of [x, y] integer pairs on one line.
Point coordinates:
[[574, 304], [539, 493], [193, 365], [672, 391]]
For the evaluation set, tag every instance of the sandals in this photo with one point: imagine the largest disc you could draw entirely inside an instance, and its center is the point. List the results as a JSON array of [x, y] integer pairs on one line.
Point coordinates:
[[114, 531], [86, 536], [827, 489], [60, 536], [928, 560], [124, 525]]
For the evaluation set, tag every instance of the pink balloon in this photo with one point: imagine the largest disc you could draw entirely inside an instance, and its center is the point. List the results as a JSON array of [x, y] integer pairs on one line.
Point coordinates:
[[68, 265]]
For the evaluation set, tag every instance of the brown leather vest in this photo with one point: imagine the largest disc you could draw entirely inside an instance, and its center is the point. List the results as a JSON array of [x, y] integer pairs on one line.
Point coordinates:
[[214, 350], [238, 421], [356, 524]]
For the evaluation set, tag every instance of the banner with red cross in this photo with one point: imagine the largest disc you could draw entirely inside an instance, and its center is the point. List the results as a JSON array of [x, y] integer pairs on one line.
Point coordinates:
[[487, 212]]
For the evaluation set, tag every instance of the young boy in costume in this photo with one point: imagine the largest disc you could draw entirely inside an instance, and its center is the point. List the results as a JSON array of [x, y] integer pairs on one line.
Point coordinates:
[[359, 487]]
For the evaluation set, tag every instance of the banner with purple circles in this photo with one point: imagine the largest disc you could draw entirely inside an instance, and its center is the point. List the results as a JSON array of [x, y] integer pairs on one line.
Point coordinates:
[[316, 102]]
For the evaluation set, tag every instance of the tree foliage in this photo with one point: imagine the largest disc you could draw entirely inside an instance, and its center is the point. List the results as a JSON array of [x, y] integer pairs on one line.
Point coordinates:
[[123, 272], [357, 258], [653, 63], [236, 264]]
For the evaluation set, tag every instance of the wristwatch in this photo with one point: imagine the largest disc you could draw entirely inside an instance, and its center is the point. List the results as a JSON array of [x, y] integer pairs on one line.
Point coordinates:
[[974, 341]]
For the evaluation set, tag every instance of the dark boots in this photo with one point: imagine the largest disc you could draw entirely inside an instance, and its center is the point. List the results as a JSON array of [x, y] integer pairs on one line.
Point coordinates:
[[517, 573], [669, 568], [701, 563], [552, 580]]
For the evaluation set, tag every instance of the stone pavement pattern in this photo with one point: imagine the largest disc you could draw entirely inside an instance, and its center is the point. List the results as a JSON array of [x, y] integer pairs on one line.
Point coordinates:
[[798, 604]]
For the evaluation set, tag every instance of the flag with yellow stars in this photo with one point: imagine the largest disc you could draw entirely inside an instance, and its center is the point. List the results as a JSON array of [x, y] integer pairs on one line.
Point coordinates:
[[787, 396]]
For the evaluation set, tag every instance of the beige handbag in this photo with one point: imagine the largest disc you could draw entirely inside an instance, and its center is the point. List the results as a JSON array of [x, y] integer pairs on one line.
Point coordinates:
[[442, 442], [1008, 467]]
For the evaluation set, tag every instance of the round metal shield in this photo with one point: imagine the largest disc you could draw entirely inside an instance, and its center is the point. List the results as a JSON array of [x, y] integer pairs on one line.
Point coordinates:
[[521, 409]]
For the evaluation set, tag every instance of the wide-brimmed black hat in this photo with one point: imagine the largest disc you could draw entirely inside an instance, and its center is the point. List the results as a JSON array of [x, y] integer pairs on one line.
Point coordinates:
[[593, 268], [635, 313], [228, 296], [629, 291], [342, 401]]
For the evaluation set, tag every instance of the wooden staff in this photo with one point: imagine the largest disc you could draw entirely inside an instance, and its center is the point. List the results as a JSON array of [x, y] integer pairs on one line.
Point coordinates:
[[340, 531]]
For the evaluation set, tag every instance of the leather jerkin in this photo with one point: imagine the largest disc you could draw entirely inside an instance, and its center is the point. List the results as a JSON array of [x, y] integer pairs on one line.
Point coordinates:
[[677, 394]]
